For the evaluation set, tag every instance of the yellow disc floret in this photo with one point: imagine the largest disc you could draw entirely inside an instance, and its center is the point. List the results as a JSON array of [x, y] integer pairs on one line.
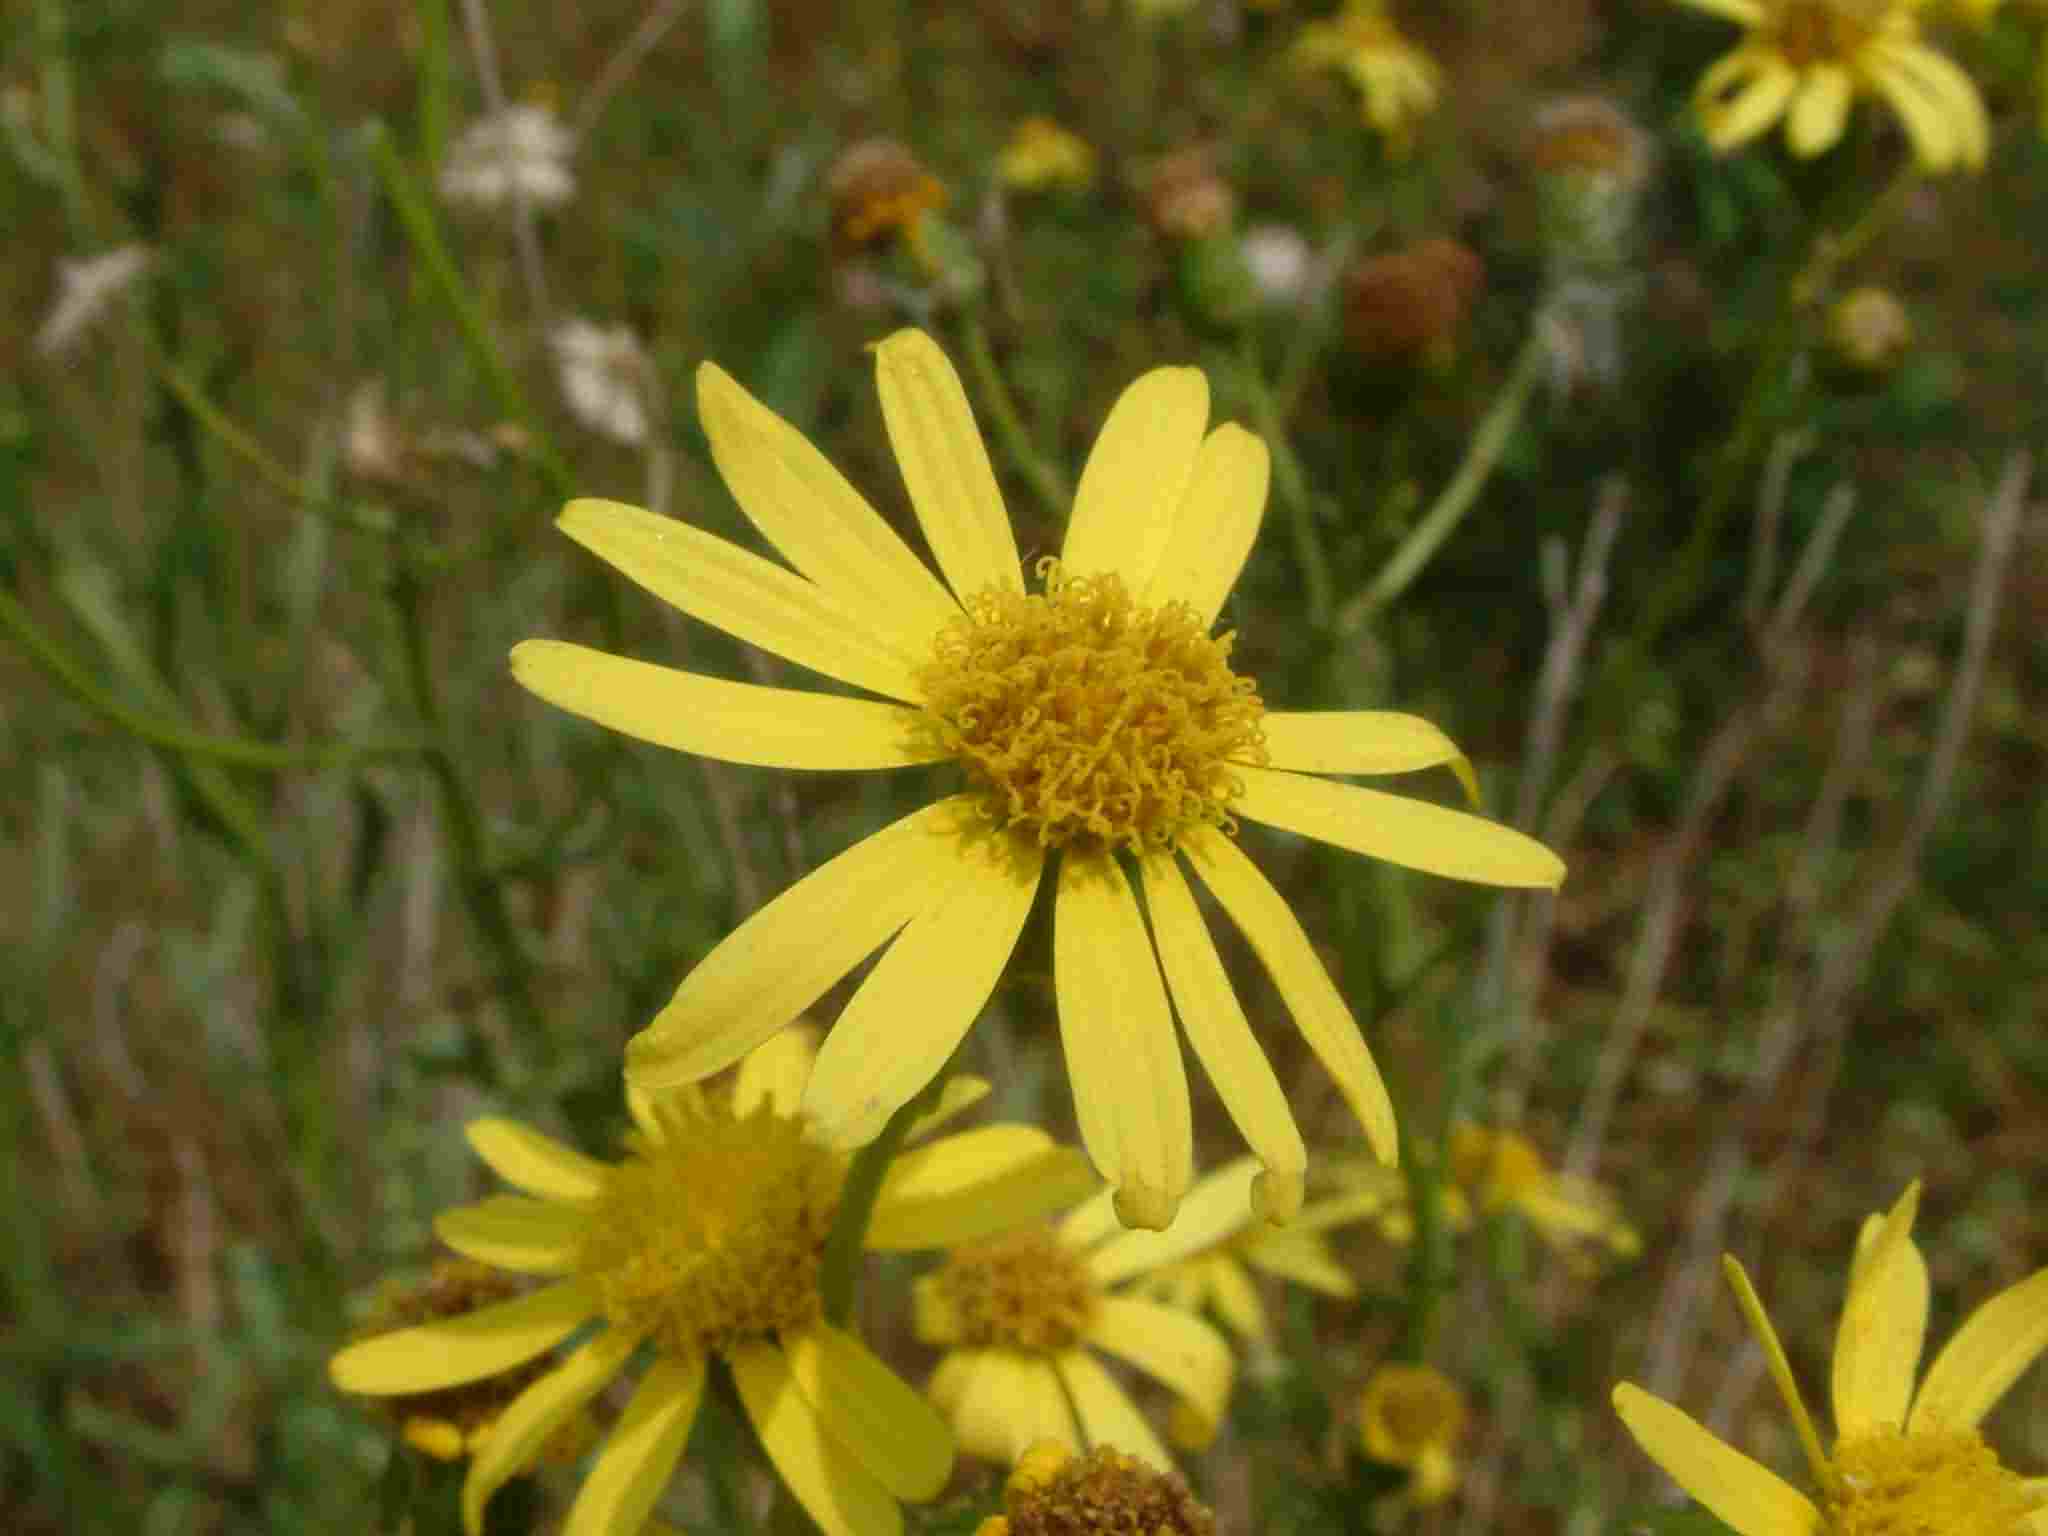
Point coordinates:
[[1934, 1483], [1085, 716], [713, 1233], [1025, 1291], [1811, 32]]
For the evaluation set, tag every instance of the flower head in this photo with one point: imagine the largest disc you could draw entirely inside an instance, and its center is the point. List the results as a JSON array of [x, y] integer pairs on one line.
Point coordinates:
[[1093, 718], [1398, 83], [1020, 1316], [1904, 1460], [1413, 302], [1868, 329], [704, 1239], [605, 378], [1042, 155], [1053, 1492], [1806, 61], [85, 291], [880, 189], [520, 154], [1500, 1169], [1412, 1416]]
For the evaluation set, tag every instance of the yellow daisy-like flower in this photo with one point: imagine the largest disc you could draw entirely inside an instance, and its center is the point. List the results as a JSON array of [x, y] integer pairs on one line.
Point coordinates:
[[1411, 1416], [1042, 154], [1903, 1460], [1501, 1169], [1808, 60], [706, 1239], [1093, 717], [1398, 83], [1020, 1314], [1054, 1492]]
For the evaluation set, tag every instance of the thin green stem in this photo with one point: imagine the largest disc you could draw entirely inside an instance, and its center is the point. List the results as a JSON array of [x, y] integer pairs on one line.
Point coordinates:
[[1045, 481], [64, 669], [1482, 457], [839, 1273], [481, 893], [416, 214], [1292, 484]]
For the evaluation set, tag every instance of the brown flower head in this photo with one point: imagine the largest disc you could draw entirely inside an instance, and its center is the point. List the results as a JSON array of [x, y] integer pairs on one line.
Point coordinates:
[[1413, 302]]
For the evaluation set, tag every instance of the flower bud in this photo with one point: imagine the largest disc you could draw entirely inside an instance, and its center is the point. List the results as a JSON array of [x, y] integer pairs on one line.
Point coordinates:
[[1413, 303]]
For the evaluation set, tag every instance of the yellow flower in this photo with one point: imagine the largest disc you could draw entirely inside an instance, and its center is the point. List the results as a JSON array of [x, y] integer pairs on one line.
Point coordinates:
[[1807, 60], [1096, 716], [705, 1239], [1903, 1460], [1042, 154], [1019, 1315], [1054, 1492], [1397, 81], [1411, 1416], [1501, 1169]]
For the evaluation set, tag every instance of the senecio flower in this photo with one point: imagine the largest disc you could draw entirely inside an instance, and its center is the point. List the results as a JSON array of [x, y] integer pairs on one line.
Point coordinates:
[[1398, 83], [705, 1238], [1412, 1416], [1903, 1460], [1807, 60], [1093, 718], [1041, 154], [1054, 1492], [1020, 1313]]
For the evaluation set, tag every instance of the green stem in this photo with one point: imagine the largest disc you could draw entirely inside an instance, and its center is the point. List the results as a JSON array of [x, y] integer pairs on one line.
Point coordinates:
[[839, 1273], [416, 214], [1292, 484], [1806, 287], [1482, 456], [1045, 481], [64, 669], [464, 823]]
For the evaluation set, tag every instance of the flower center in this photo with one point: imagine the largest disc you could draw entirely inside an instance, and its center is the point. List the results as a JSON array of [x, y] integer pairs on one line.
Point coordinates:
[[1082, 715], [713, 1233], [1944, 1483], [1812, 32], [1024, 1290], [1409, 1408]]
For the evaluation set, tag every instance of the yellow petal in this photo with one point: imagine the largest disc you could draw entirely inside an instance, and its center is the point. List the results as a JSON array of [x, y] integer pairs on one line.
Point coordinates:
[[1409, 832], [784, 957], [1936, 144], [1737, 1491], [1301, 1256], [1361, 741], [716, 581], [871, 1412], [1000, 1403], [822, 525], [532, 1418], [1884, 1323], [1182, 1351], [973, 1186], [640, 1456], [452, 1350], [1130, 1090], [528, 1237], [910, 1013], [1997, 1342], [1950, 98], [834, 1489], [1108, 1416], [1740, 97], [1819, 110], [733, 722], [775, 1071], [1217, 1208], [945, 466], [1236, 1299], [1216, 525], [1275, 934], [1131, 488], [959, 1093], [1746, 13], [538, 1164], [1223, 1041], [1780, 1366]]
